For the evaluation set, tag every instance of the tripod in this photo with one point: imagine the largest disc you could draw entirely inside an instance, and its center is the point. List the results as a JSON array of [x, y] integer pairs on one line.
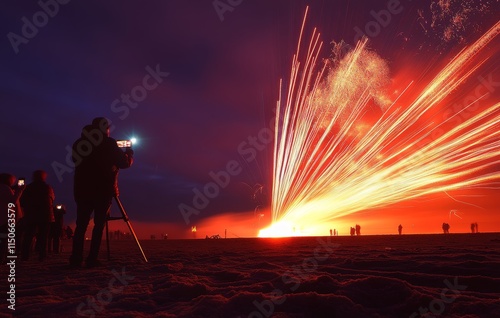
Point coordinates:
[[125, 218]]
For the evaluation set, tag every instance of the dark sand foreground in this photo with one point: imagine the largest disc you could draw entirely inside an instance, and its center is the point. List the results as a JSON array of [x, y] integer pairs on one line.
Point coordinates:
[[456, 275]]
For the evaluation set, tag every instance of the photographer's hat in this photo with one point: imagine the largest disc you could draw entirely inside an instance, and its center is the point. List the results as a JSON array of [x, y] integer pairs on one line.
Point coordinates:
[[101, 123]]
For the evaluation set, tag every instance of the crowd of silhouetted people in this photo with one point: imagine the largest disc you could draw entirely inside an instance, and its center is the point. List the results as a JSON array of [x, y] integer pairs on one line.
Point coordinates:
[[97, 159], [356, 230], [38, 223], [119, 235]]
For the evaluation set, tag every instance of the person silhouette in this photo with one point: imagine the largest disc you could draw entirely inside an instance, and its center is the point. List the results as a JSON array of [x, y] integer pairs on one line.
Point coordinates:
[[9, 203], [353, 231], [473, 227], [11, 193], [446, 228], [37, 202], [95, 185], [358, 229], [56, 229], [400, 229]]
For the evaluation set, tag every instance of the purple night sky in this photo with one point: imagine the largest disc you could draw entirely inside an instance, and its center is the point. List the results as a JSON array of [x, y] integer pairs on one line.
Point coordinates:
[[221, 90]]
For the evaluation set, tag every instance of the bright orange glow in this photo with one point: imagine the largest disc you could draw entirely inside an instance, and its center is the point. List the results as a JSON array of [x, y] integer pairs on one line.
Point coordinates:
[[330, 164], [231, 225]]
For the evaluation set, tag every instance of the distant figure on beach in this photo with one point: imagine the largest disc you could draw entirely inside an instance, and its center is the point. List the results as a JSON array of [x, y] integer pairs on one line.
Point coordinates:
[[358, 229], [95, 185], [353, 231], [400, 229], [473, 227], [69, 232], [331, 232], [37, 202], [56, 229], [446, 228], [335, 232]]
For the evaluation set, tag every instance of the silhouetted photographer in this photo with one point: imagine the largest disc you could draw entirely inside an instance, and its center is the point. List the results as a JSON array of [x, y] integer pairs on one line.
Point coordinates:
[[97, 159]]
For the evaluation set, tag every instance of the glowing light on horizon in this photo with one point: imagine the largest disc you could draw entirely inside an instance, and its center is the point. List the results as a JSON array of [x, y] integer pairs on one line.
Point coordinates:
[[328, 163]]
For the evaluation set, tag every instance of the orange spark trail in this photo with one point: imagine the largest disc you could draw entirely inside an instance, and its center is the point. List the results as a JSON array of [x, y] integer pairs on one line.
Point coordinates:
[[322, 170]]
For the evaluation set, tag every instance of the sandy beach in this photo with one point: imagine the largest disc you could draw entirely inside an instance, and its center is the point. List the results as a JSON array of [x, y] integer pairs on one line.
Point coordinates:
[[455, 275]]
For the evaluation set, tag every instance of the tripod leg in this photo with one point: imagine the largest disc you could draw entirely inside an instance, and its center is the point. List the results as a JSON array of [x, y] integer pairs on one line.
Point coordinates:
[[125, 218]]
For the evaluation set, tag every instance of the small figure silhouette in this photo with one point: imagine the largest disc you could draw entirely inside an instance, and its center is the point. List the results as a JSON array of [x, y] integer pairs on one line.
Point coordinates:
[[56, 229], [353, 231], [400, 229], [358, 229], [446, 228], [473, 227]]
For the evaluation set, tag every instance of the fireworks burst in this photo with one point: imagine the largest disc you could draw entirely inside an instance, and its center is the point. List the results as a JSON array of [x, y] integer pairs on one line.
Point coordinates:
[[329, 163]]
